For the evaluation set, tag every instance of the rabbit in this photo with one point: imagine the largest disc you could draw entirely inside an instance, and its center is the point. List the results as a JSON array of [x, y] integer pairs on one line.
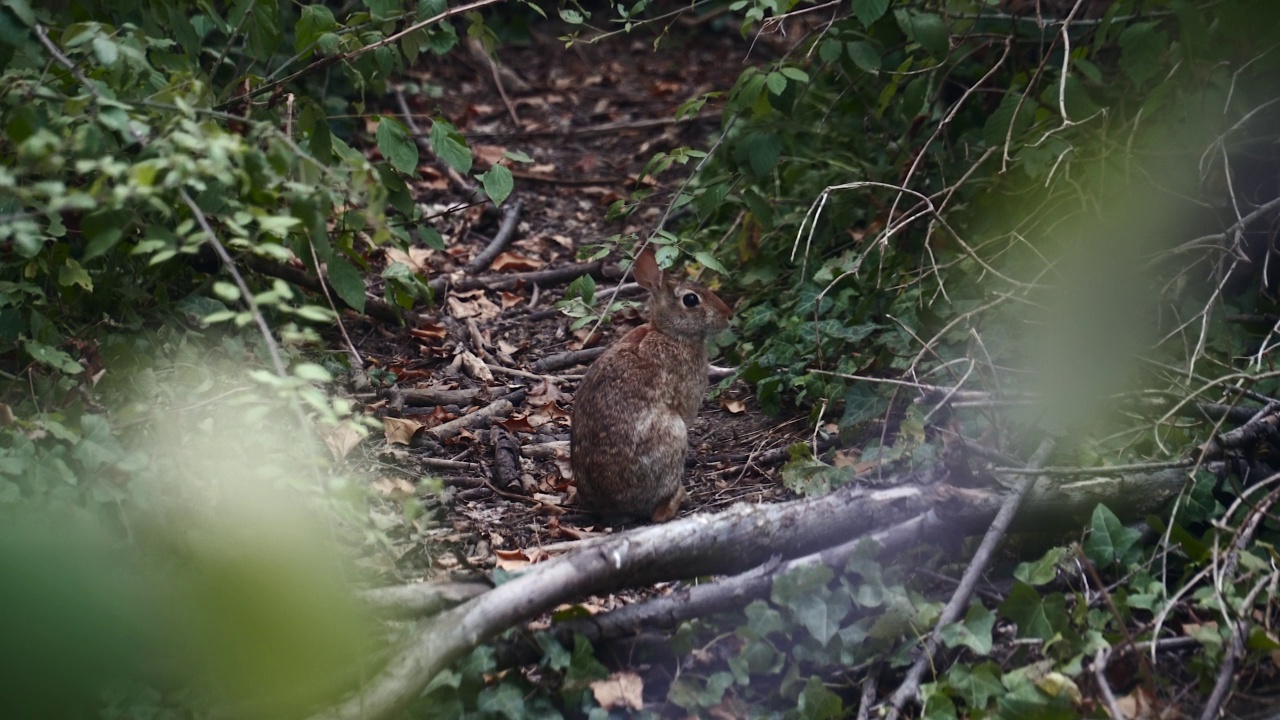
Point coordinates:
[[634, 408]]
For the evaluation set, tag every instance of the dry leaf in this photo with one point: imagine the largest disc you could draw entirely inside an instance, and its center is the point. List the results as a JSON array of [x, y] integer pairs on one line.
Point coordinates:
[[467, 306], [429, 331], [488, 154], [393, 487], [506, 348], [621, 689], [400, 430], [545, 393], [518, 424], [437, 416], [415, 259], [843, 459], [547, 414], [514, 262], [6, 415], [511, 560], [542, 169], [475, 367], [733, 406], [510, 299], [340, 440]]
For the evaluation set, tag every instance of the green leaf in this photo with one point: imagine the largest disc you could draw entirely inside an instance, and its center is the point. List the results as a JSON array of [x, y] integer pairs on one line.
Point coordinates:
[[52, 357], [776, 82], [71, 273], [381, 9], [869, 11], [926, 29], [976, 685], [974, 632], [571, 16], [795, 73], [397, 146], [1141, 47], [816, 702], [504, 700], [1041, 571], [431, 237], [1036, 616], [22, 9], [864, 55], [805, 592], [314, 21], [498, 183], [1108, 540], [105, 50], [449, 145], [760, 151], [709, 260], [347, 282]]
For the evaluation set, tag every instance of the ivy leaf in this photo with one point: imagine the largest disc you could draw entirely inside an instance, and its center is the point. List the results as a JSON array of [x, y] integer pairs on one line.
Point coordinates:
[[498, 183], [450, 146], [869, 11], [976, 685], [974, 632], [1108, 540], [347, 282], [1041, 571], [816, 702], [1036, 616], [504, 700], [805, 593], [396, 145]]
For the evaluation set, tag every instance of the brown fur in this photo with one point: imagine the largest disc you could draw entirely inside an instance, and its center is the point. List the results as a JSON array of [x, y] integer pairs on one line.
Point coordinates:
[[633, 410]]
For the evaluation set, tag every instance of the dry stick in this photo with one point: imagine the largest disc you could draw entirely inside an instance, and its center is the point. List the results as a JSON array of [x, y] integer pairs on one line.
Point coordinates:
[[563, 360], [910, 687], [1222, 686], [729, 541], [417, 600], [497, 408], [429, 396], [443, 464], [1100, 672], [597, 270], [506, 233]]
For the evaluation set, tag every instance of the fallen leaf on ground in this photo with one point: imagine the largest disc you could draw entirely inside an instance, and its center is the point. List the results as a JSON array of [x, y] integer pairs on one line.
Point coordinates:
[[475, 367], [489, 154], [437, 416], [548, 413], [621, 689], [475, 304], [510, 299], [340, 440], [518, 424], [545, 393], [510, 560], [393, 487], [513, 262], [400, 430], [733, 406], [415, 259], [429, 331]]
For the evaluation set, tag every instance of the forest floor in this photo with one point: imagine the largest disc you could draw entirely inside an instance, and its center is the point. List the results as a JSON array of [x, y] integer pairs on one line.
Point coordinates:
[[589, 117]]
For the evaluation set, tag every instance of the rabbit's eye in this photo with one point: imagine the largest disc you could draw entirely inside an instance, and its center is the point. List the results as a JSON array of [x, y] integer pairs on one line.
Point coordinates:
[[691, 300]]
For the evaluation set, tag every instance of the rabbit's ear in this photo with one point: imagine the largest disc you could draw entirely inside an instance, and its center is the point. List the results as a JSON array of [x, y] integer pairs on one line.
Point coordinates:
[[646, 270]]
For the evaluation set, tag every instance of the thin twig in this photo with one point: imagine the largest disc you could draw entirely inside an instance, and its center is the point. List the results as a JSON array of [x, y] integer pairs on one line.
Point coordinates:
[[910, 687]]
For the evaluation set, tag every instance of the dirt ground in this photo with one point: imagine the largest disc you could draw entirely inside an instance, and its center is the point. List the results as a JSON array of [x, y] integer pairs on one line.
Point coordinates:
[[589, 117]]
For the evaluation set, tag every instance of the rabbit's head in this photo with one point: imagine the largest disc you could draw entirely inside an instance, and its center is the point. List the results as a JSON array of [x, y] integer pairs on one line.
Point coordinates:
[[681, 309]]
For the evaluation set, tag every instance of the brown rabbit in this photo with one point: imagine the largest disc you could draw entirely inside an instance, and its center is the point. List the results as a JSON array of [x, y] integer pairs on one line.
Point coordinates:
[[633, 410]]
